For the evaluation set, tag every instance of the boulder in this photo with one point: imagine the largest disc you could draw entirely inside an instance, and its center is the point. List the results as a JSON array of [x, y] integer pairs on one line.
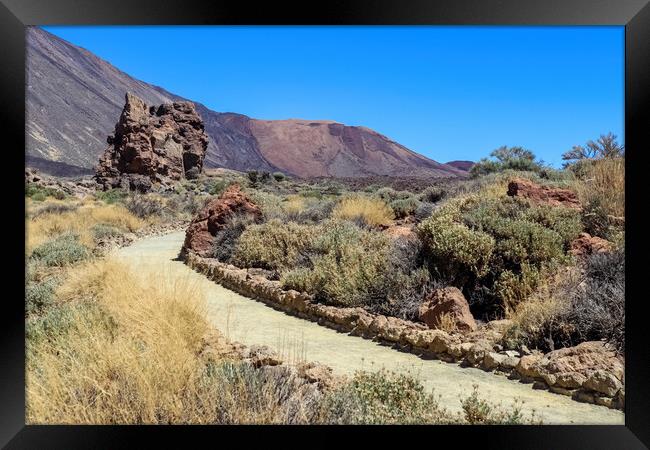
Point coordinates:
[[261, 355], [586, 244], [214, 216], [493, 360], [153, 145], [447, 301], [520, 187], [603, 382]]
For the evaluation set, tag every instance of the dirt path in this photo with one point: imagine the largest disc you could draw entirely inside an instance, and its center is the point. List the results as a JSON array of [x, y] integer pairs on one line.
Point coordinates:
[[251, 322]]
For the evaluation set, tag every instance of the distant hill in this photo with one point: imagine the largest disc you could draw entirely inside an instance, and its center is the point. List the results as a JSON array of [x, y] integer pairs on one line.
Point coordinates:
[[74, 100], [461, 165]]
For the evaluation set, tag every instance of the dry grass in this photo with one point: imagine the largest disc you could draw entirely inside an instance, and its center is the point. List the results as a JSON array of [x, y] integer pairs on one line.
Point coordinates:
[[372, 211], [604, 182], [293, 204], [447, 323], [80, 221], [130, 354]]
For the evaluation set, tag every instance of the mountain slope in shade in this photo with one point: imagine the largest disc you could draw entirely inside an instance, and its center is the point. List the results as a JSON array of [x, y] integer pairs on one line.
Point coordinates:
[[74, 99], [461, 165]]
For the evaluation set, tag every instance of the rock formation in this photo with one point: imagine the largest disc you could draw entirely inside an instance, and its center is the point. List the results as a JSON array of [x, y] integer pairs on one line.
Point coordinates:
[[213, 217], [153, 145], [520, 187], [447, 301], [586, 244]]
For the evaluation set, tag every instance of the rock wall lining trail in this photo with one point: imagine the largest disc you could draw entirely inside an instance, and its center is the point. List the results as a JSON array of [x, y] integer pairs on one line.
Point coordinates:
[[251, 322], [602, 387]]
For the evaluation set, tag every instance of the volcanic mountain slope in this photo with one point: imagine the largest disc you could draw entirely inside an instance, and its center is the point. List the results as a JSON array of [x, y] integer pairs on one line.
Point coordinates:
[[74, 99], [461, 165]]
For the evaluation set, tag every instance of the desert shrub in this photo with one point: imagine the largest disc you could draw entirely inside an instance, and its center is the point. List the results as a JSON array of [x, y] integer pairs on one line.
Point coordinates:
[[273, 245], [144, 206], [54, 208], [423, 211], [226, 239], [368, 211], [217, 187], [513, 288], [455, 249], [106, 231], [400, 290], [112, 196], [346, 262], [382, 398], [39, 295], [279, 176], [388, 194], [478, 411], [40, 193], [432, 194], [185, 204], [61, 251], [193, 173], [577, 305], [404, 207]]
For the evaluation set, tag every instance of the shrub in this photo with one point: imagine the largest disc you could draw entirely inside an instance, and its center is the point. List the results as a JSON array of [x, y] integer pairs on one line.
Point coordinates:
[[404, 207], [226, 239], [347, 262], [365, 210], [39, 295], [219, 186], [432, 194], [279, 176], [423, 211], [193, 173], [382, 398], [61, 251], [273, 245], [389, 194], [513, 288], [144, 206], [40, 193], [478, 411], [54, 208], [105, 231], [112, 195], [454, 248], [577, 305]]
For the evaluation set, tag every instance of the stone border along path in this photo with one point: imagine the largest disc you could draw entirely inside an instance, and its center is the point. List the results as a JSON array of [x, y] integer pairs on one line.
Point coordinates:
[[252, 322]]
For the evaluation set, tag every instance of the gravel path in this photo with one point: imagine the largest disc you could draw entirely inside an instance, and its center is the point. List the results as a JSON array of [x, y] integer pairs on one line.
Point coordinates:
[[251, 322]]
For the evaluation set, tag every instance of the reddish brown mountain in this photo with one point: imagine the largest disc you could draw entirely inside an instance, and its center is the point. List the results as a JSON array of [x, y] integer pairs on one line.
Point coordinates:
[[461, 165], [74, 99]]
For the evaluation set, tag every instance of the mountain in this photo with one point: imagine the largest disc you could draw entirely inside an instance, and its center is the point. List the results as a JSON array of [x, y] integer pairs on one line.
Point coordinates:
[[74, 98], [461, 165]]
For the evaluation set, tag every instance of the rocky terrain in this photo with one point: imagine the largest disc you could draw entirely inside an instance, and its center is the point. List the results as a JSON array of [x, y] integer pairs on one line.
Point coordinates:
[[461, 165], [160, 145], [74, 98]]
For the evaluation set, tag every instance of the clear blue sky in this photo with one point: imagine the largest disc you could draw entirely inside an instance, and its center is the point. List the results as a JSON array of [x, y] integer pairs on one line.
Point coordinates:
[[446, 92]]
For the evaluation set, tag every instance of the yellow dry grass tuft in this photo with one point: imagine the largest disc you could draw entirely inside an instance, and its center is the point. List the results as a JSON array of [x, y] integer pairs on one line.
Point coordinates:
[[80, 222], [372, 211], [129, 355], [293, 204], [604, 182]]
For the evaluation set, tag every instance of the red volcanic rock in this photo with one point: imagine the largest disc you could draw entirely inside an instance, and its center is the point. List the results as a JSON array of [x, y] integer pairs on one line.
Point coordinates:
[[450, 301], [586, 244], [153, 145], [520, 187], [214, 216]]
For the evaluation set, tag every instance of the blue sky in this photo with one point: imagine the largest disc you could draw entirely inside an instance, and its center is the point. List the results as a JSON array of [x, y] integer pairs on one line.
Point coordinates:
[[445, 92]]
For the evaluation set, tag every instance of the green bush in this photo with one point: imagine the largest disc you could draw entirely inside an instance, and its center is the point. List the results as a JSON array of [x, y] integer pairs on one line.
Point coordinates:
[[112, 196], [105, 231], [382, 398], [61, 251], [279, 176], [40, 193], [273, 245], [432, 194], [39, 295], [454, 248], [404, 207], [346, 263]]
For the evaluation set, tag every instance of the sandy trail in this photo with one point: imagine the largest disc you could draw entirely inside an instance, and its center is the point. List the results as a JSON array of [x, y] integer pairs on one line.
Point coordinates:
[[251, 322]]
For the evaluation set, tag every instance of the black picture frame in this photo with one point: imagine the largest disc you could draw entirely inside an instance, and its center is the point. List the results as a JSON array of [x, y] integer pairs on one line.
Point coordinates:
[[633, 14]]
